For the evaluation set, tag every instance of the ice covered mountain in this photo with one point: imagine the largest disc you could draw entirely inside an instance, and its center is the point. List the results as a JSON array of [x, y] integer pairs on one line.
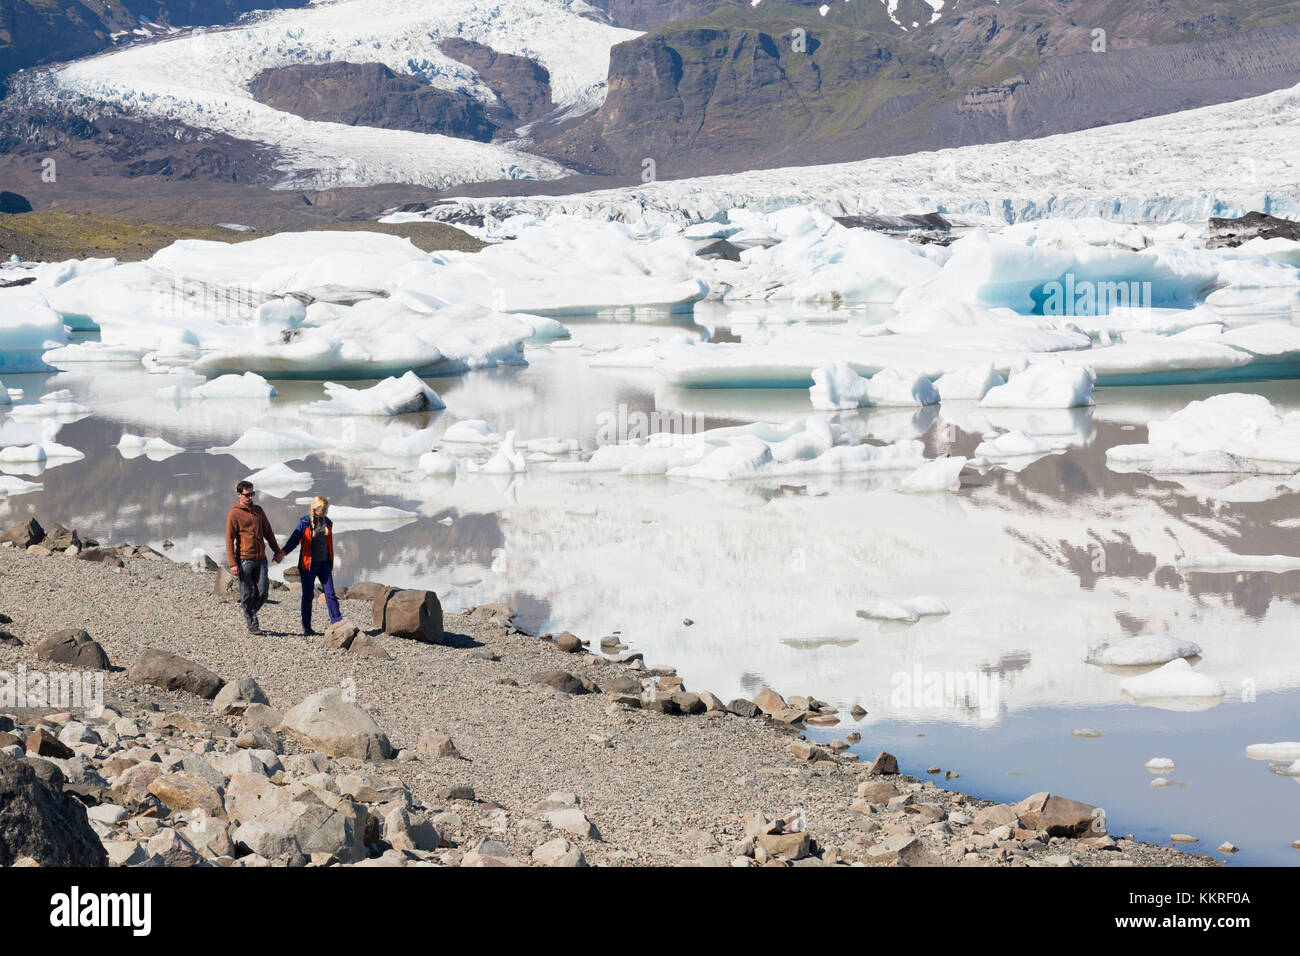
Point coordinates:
[[1215, 161], [200, 80]]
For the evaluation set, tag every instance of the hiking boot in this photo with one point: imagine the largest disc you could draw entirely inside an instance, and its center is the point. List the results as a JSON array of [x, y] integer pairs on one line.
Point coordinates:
[[256, 631], [308, 632]]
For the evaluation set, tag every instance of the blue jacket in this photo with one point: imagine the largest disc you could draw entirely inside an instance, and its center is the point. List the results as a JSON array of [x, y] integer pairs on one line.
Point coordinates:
[[302, 533]]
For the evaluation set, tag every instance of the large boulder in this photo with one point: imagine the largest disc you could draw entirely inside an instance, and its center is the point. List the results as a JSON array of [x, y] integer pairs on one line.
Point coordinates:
[[366, 591], [324, 822], [41, 822], [235, 698], [74, 647], [411, 614], [1060, 816], [173, 672], [24, 534], [333, 725]]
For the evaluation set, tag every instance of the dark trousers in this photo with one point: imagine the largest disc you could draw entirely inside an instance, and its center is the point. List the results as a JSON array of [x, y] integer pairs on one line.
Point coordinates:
[[254, 586], [325, 575]]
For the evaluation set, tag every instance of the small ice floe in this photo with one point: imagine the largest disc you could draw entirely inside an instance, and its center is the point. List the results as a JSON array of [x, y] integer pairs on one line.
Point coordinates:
[[1044, 384], [447, 522], [9, 485], [155, 449], [1284, 751], [1175, 686], [506, 461], [968, 384], [838, 386], [1145, 650], [1159, 765], [1227, 562], [1085, 732], [1284, 769], [259, 447], [909, 610], [941, 474], [392, 396], [59, 395], [66, 410], [437, 463], [250, 386], [382, 518], [22, 455], [472, 431], [280, 481], [1159, 783]]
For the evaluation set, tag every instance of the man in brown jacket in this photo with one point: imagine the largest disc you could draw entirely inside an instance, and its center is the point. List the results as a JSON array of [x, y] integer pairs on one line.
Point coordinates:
[[247, 528]]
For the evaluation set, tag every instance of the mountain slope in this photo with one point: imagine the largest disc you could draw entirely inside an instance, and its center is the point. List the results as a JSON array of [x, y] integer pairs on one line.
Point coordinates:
[[733, 90]]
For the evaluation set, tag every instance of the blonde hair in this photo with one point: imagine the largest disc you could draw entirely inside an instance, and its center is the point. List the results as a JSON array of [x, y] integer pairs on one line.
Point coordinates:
[[319, 504]]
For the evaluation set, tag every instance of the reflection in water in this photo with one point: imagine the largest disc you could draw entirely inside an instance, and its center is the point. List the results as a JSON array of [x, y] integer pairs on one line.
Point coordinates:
[[1040, 563]]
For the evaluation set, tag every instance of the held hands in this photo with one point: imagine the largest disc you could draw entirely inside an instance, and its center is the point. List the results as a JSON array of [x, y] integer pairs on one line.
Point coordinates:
[[279, 556]]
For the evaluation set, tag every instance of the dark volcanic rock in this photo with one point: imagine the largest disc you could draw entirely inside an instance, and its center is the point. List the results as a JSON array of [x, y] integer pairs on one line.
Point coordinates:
[[1253, 225], [370, 94], [522, 85], [13, 203], [39, 821], [73, 647], [173, 672]]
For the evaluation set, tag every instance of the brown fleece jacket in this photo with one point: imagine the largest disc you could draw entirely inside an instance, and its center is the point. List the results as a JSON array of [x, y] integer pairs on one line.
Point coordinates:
[[246, 528]]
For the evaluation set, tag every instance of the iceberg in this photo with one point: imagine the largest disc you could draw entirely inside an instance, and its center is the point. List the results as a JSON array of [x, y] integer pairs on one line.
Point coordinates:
[[28, 327], [1043, 384], [840, 387], [908, 610], [250, 386], [968, 384], [473, 431], [155, 449], [1145, 650], [392, 396], [1284, 750], [507, 460], [280, 481]]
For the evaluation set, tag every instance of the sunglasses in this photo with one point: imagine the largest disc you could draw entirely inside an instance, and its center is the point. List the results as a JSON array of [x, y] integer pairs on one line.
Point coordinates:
[[247, 494]]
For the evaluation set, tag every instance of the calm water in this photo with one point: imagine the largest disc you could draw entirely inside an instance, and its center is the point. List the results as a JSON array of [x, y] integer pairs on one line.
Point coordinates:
[[1037, 566]]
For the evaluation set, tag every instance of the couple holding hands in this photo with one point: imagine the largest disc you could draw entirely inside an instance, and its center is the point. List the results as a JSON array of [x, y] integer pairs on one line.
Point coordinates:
[[248, 532]]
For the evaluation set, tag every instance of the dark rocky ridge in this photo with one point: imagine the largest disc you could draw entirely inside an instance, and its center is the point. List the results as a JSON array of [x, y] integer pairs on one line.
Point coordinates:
[[731, 91], [523, 86], [370, 94]]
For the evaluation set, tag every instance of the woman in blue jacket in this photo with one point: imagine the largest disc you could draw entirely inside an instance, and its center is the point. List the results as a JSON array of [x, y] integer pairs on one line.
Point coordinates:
[[315, 560]]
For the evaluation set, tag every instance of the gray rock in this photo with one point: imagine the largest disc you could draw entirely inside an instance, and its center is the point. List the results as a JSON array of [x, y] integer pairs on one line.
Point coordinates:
[[338, 727], [173, 672], [233, 699], [75, 648]]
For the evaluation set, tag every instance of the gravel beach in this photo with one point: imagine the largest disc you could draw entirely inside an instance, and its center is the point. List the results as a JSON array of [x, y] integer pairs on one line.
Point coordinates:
[[659, 789]]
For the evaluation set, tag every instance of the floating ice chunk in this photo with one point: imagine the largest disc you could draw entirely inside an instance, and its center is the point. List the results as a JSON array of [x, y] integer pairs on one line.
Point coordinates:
[[280, 481], [968, 384], [1172, 684], [68, 410], [59, 395], [752, 459], [1044, 384], [22, 454], [1225, 561], [472, 431], [9, 485], [1146, 649], [81, 352], [1015, 444], [381, 518], [155, 449], [28, 327], [4, 394], [840, 387], [250, 385], [1229, 432], [436, 463], [506, 461], [1285, 750], [392, 396], [1159, 765], [942, 474], [909, 610]]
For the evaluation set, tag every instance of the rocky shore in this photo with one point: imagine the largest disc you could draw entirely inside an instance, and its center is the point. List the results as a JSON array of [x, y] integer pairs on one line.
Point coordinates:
[[406, 737]]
